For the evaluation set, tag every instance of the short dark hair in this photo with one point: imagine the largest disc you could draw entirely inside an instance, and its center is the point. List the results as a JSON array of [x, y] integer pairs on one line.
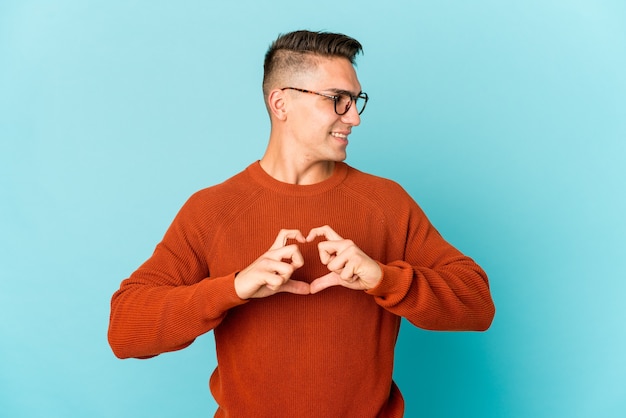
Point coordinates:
[[295, 52]]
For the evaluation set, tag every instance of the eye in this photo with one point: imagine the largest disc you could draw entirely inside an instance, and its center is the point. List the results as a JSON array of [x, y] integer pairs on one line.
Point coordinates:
[[343, 100], [336, 98]]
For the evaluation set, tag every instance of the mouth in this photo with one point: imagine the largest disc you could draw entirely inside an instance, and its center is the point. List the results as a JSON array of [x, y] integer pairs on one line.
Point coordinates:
[[339, 135]]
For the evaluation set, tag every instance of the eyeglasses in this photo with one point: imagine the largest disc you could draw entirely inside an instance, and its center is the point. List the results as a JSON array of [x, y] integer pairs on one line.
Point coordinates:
[[343, 99]]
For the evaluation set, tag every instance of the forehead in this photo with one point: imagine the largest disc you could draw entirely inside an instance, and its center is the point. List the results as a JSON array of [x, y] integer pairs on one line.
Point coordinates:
[[335, 73]]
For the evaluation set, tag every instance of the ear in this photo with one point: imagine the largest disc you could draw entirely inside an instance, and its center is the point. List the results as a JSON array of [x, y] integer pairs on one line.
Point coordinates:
[[276, 103]]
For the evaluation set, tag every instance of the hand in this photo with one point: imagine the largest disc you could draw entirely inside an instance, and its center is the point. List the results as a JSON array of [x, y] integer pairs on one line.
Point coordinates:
[[349, 266], [271, 273]]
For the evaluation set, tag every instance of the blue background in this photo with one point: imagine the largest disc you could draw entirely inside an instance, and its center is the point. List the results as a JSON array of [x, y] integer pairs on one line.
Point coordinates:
[[505, 121]]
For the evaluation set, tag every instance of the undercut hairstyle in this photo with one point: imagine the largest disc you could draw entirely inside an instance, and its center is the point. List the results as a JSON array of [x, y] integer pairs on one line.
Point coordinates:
[[296, 52]]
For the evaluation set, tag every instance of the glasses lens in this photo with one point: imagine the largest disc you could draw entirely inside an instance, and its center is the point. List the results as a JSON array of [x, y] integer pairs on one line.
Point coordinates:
[[344, 102], [360, 102]]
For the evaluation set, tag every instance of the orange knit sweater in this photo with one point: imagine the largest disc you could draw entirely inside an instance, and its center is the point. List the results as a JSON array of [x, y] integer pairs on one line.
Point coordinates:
[[323, 355]]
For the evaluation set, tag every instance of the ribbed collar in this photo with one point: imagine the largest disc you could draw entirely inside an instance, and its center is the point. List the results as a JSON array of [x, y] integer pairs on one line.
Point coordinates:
[[256, 172]]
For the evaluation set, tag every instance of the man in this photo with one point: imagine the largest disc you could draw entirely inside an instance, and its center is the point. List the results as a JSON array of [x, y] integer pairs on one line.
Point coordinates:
[[301, 265]]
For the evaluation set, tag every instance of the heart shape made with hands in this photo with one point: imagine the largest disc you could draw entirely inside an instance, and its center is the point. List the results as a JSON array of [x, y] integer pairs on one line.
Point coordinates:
[[271, 273], [348, 265]]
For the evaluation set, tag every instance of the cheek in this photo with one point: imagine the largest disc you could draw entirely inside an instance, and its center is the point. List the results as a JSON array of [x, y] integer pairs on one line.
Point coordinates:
[[316, 122], [320, 125]]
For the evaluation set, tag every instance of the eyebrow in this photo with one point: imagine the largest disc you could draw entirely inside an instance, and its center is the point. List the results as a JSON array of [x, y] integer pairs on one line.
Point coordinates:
[[340, 91]]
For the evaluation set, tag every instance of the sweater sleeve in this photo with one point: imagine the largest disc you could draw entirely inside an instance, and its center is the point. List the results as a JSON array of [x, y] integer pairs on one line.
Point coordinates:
[[434, 286], [171, 299]]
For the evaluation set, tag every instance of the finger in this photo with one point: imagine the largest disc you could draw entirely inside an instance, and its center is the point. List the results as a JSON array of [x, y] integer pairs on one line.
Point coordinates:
[[329, 250], [247, 287], [271, 271], [276, 281], [324, 282], [297, 260], [348, 272], [337, 258], [290, 252], [296, 287], [323, 231], [347, 264], [326, 255], [284, 235]]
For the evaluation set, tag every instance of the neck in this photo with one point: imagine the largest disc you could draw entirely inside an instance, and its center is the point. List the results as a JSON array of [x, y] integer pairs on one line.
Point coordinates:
[[296, 171]]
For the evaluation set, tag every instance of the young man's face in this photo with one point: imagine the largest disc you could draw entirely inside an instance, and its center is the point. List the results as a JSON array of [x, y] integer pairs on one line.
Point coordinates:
[[320, 133]]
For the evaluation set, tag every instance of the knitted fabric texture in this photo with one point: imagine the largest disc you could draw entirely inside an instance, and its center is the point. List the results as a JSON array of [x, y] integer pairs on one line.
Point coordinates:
[[324, 355]]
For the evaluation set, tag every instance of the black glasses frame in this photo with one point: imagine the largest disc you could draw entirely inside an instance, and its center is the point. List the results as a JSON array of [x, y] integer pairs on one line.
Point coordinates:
[[335, 98]]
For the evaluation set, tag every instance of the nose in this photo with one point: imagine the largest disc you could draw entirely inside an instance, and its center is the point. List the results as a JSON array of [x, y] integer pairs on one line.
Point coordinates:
[[351, 117]]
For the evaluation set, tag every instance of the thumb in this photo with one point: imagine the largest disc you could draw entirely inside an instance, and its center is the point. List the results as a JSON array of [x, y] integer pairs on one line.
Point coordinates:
[[326, 281]]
